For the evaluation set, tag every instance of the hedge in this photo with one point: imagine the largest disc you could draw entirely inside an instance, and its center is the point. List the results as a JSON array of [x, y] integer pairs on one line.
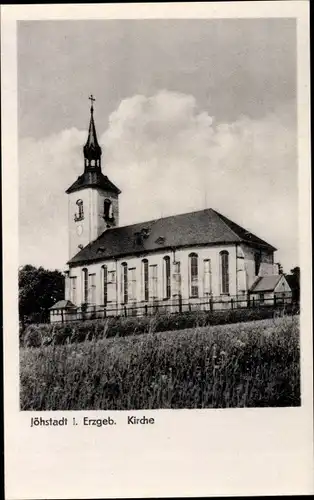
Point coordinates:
[[46, 334]]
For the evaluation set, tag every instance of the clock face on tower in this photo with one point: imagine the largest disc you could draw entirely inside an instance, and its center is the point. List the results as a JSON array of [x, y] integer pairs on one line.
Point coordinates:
[[79, 230]]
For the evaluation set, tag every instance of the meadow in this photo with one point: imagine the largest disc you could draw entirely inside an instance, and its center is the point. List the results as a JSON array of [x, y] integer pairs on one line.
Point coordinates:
[[253, 364]]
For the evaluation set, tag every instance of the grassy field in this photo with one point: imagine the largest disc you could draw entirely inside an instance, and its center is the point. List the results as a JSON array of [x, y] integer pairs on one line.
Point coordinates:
[[253, 364]]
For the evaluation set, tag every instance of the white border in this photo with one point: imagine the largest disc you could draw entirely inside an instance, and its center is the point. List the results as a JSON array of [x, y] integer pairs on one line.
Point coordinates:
[[187, 452]]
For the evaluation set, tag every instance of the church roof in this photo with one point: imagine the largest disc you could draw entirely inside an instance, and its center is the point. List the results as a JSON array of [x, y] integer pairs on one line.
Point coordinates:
[[63, 304], [266, 283], [204, 227], [94, 179]]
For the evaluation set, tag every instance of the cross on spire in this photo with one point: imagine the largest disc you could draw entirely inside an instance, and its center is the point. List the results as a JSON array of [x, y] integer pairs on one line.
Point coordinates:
[[92, 99]]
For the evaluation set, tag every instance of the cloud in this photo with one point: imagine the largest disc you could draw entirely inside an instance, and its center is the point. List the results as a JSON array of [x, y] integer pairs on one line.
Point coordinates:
[[168, 156]]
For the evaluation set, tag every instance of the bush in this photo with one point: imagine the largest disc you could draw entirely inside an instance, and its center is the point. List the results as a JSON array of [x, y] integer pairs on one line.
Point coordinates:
[[80, 331]]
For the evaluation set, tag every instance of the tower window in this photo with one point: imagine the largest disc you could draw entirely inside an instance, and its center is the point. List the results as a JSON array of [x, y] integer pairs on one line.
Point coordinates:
[[193, 257], [257, 262], [108, 213], [224, 271], [80, 213]]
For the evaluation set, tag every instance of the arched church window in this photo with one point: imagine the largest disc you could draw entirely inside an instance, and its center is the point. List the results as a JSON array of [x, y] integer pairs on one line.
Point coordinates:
[[108, 213], [166, 277], [145, 277], [85, 285], [193, 274], [124, 282], [105, 284], [224, 271]]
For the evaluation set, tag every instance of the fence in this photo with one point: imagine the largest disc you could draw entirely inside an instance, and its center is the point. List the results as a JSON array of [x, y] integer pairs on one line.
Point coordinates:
[[174, 305]]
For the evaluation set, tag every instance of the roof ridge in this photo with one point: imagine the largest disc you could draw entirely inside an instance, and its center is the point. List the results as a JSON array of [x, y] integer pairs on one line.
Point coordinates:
[[222, 217]]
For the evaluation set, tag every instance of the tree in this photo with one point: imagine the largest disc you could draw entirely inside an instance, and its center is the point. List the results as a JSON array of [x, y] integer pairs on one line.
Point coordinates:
[[39, 289], [294, 283]]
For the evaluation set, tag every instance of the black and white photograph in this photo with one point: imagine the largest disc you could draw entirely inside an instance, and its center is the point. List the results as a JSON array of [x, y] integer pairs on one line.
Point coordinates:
[[160, 265], [158, 195]]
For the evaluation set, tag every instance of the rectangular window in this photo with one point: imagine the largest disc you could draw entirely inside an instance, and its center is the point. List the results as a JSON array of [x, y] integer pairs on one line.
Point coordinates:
[[153, 282], [177, 278], [132, 284], [92, 278], [111, 286], [207, 277], [73, 289]]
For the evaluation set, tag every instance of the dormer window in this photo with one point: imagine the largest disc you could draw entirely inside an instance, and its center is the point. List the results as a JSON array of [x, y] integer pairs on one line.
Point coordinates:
[[80, 213], [108, 212], [93, 163]]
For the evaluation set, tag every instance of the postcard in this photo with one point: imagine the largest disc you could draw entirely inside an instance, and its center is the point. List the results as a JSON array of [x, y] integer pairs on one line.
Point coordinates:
[[157, 250]]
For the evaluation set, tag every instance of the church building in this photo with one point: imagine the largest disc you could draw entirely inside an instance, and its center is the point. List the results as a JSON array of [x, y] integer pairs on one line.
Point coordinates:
[[194, 260]]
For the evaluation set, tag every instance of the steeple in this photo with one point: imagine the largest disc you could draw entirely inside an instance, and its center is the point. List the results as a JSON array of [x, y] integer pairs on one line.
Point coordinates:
[[92, 175], [92, 150]]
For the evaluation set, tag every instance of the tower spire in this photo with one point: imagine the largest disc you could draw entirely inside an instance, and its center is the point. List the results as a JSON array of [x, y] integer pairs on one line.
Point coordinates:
[[92, 150]]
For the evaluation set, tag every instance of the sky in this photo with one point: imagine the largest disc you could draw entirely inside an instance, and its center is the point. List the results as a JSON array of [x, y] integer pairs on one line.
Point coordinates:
[[190, 114]]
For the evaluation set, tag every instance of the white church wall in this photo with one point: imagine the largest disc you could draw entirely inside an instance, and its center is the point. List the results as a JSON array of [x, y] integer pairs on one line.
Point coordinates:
[[115, 293], [267, 267]]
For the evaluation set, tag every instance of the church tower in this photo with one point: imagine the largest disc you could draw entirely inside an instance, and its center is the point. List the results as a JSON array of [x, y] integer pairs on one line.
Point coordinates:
[[93, 203]]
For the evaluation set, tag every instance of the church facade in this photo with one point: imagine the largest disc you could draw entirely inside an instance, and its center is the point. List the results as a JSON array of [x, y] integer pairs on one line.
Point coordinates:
[[200, 259]]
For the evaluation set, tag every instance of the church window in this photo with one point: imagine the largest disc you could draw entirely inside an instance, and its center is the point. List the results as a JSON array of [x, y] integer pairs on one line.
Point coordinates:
[[145, 275], [166, 277], [85, 286], [207, 277], [92, 280], [73, 289], [105, 284], [153, 281], [92, 163], [108, 209], [132, 284], [80, 214], [193, 274], [177, 278], [257, 262], [124, 282], [224, 271]]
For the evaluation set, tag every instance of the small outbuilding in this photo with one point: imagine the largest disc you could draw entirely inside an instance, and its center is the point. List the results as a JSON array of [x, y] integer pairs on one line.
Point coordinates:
[[271, 289], [63, 310]]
